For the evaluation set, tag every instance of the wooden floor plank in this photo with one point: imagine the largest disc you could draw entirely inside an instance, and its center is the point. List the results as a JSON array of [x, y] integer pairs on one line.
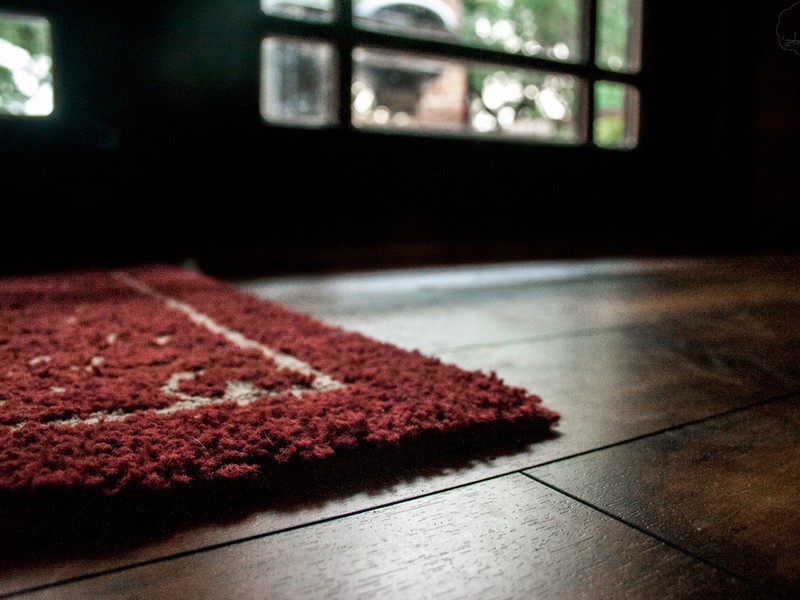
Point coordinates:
[[767, 335], [613, 386], [437, 309], [725, 489], [506, 538]]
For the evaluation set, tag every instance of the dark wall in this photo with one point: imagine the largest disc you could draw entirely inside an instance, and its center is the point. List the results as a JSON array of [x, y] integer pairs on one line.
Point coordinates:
[[777, 125], [157, 152]]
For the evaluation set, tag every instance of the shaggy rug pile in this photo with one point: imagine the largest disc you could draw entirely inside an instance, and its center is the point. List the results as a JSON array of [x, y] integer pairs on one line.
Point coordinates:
[[157, 378]]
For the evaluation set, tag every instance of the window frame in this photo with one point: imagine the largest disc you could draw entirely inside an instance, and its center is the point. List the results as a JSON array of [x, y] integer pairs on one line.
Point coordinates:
[[345, 36]]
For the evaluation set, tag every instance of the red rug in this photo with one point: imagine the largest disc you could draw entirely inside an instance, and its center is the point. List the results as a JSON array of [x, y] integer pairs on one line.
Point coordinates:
[[159, 378]]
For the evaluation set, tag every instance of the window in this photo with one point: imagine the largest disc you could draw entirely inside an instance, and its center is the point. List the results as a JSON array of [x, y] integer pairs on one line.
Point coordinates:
[[554, 71], [26, 83]]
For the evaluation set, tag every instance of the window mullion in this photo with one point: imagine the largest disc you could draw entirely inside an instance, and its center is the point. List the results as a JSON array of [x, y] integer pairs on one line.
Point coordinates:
[[590, 39], [346, 39]]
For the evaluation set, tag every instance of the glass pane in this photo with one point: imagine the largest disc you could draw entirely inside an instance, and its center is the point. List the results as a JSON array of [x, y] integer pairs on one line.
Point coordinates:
[[298, 82], [392, 89], [306, 10], [543, 28], [616, 115], [26, 60], [619, 34], [413, 92]]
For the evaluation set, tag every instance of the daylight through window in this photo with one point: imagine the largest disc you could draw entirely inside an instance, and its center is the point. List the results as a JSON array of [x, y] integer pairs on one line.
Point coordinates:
[[556, 71], [26, 80]]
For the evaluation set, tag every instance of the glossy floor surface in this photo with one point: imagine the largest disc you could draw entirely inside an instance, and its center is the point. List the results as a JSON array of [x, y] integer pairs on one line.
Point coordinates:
[[674, 473]]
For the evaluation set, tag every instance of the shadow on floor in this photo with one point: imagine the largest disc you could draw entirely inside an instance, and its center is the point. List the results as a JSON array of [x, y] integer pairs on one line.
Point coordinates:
[[58, 524]]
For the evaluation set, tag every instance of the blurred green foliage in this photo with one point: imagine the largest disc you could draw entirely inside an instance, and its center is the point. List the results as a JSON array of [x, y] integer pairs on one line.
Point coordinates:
[[532, 27], [610, 128]]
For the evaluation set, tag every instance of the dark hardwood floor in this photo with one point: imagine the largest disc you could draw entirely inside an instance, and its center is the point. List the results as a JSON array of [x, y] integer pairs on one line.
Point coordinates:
[[674, 473]]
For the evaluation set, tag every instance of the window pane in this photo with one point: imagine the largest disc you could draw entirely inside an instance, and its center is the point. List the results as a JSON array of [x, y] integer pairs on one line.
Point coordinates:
[[616, 115], [26, 57], [412, 92], [298, 82], [392, 89], [618, 34], [543, 28], [307, 10], [525, 103]]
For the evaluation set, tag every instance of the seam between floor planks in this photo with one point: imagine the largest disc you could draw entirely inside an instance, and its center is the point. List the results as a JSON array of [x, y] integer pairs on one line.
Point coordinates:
[[647, 532]]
